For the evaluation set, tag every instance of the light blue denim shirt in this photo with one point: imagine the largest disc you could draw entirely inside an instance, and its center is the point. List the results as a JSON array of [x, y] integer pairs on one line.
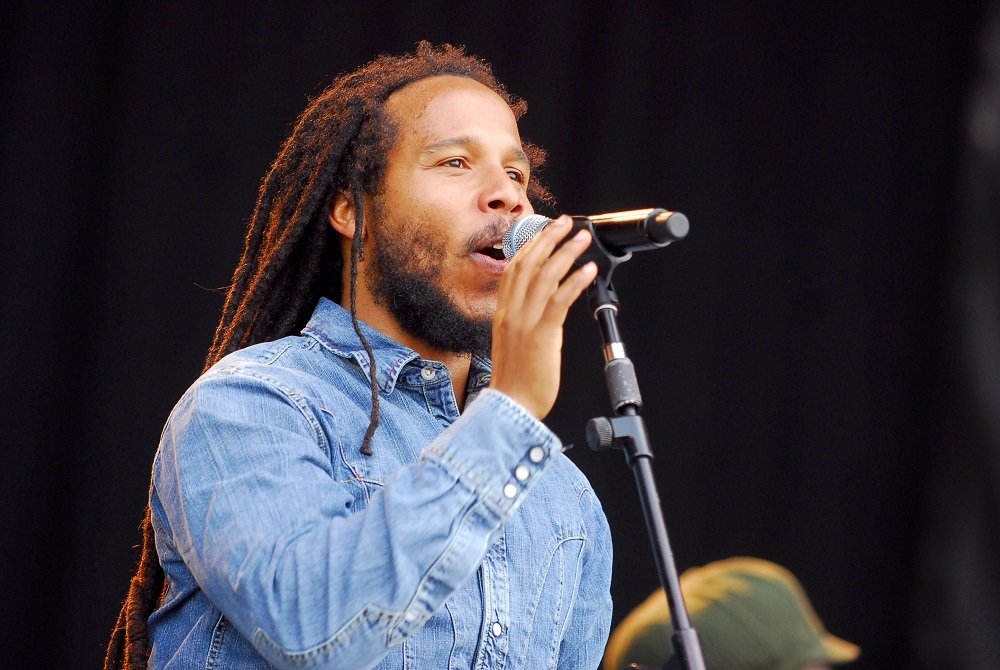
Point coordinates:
[[466, 541]]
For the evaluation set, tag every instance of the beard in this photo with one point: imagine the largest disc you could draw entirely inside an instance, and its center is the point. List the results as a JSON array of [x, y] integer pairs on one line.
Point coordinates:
[[405, 277]]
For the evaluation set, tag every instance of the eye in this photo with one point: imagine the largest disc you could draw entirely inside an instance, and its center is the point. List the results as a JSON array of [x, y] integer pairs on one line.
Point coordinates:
[[458, 163], [516, 175]]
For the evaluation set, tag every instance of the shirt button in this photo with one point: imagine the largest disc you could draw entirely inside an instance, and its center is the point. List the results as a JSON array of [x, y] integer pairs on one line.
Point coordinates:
[[428, 373], [521, 472], [497, 629], [509, 490], [536, 454]]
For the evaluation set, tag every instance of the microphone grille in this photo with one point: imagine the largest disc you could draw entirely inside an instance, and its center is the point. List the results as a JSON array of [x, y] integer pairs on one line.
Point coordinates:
[[523, 230]]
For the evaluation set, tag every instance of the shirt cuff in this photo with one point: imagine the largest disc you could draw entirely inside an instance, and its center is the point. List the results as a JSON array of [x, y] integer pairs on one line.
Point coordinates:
[[497, 449]]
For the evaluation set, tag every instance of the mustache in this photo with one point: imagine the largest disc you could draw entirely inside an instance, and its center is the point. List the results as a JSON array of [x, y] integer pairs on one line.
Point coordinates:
[[488, 234]]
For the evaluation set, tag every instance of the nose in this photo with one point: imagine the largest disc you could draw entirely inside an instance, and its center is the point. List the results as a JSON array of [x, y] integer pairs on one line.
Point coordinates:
[[503, 195]]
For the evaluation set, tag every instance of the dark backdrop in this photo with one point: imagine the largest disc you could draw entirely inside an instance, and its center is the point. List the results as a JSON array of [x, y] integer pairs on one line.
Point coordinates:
[[799, 353]]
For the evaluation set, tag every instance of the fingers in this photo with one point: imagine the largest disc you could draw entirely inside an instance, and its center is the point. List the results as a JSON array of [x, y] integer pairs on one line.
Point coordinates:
[[535, 273], [520, 271], [536, 292]]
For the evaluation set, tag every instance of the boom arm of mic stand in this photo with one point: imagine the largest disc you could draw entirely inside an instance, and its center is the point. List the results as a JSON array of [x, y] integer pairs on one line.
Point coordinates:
[[626, 430]]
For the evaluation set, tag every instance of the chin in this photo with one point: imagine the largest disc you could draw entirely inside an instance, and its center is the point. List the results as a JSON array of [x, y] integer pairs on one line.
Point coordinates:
[[481, 310]]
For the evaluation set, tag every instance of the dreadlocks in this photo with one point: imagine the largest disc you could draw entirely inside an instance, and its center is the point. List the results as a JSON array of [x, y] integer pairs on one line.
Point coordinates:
[[292, 256]]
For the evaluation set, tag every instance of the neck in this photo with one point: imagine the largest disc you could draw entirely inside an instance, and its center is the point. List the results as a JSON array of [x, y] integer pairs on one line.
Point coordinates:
[[458, 365]]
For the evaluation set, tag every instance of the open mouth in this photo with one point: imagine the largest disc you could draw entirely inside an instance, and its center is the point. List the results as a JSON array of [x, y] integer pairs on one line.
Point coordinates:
[[494, 251]]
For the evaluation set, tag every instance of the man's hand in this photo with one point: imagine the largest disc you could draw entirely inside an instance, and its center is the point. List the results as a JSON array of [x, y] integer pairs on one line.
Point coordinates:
[[531, 310]]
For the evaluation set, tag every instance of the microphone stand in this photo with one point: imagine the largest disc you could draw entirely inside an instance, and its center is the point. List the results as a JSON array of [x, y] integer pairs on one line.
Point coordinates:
[[626, 430]]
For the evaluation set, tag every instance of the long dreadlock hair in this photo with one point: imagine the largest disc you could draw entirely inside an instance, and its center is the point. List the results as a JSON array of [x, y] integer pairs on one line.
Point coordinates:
[[292, 256]]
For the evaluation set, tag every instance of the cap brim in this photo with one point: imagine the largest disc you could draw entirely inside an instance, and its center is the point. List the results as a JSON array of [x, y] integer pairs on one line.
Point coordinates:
[[838, 650]]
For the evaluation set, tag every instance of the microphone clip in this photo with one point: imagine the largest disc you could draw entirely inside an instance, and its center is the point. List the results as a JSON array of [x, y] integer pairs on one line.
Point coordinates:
[[605, 259]]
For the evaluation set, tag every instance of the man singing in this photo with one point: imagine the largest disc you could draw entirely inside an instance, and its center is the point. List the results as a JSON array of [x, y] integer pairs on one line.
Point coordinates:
[[361, 478]]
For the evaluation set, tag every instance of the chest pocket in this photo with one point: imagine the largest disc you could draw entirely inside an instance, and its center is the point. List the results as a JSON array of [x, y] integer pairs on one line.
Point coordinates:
[[554, 592]]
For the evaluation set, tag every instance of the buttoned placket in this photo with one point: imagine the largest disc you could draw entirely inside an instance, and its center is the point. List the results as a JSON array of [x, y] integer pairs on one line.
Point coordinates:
[[438, 392], [495, 588], [494, 639]]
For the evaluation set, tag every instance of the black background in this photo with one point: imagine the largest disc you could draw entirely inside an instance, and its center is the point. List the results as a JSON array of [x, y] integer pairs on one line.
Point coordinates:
[[794, 352]]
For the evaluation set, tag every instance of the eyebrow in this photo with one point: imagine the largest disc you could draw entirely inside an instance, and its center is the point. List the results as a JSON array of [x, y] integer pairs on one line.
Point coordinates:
[[468, 142]]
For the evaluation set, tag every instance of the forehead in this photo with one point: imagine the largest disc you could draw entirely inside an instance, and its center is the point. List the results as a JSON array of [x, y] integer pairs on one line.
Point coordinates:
[[443, 106]]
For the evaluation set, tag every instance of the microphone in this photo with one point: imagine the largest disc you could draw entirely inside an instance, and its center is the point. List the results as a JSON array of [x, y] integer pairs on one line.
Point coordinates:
[[619, 233]]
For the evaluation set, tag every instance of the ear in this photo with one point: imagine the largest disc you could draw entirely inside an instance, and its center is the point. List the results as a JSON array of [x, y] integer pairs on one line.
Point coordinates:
[[342, 215]]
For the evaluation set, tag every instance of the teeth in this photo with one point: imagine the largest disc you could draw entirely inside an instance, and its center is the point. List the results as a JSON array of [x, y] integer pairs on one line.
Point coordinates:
[[499, 245]]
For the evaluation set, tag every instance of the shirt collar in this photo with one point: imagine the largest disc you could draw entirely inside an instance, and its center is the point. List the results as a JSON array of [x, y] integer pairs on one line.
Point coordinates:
[[331, 326]]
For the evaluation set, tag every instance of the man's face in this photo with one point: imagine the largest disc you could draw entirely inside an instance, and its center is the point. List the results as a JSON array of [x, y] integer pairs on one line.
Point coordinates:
[[456, 179]]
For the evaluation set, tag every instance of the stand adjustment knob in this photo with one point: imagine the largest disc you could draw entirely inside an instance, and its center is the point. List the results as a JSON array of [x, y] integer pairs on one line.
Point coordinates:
[[600, 434]]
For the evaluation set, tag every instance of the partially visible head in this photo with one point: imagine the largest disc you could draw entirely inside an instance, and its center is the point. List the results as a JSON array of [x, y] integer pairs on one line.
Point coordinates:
[[340, 145], [750, 614]]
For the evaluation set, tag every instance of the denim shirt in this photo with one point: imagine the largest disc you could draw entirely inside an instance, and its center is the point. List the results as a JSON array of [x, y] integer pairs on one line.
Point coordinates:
[[467, 540]]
